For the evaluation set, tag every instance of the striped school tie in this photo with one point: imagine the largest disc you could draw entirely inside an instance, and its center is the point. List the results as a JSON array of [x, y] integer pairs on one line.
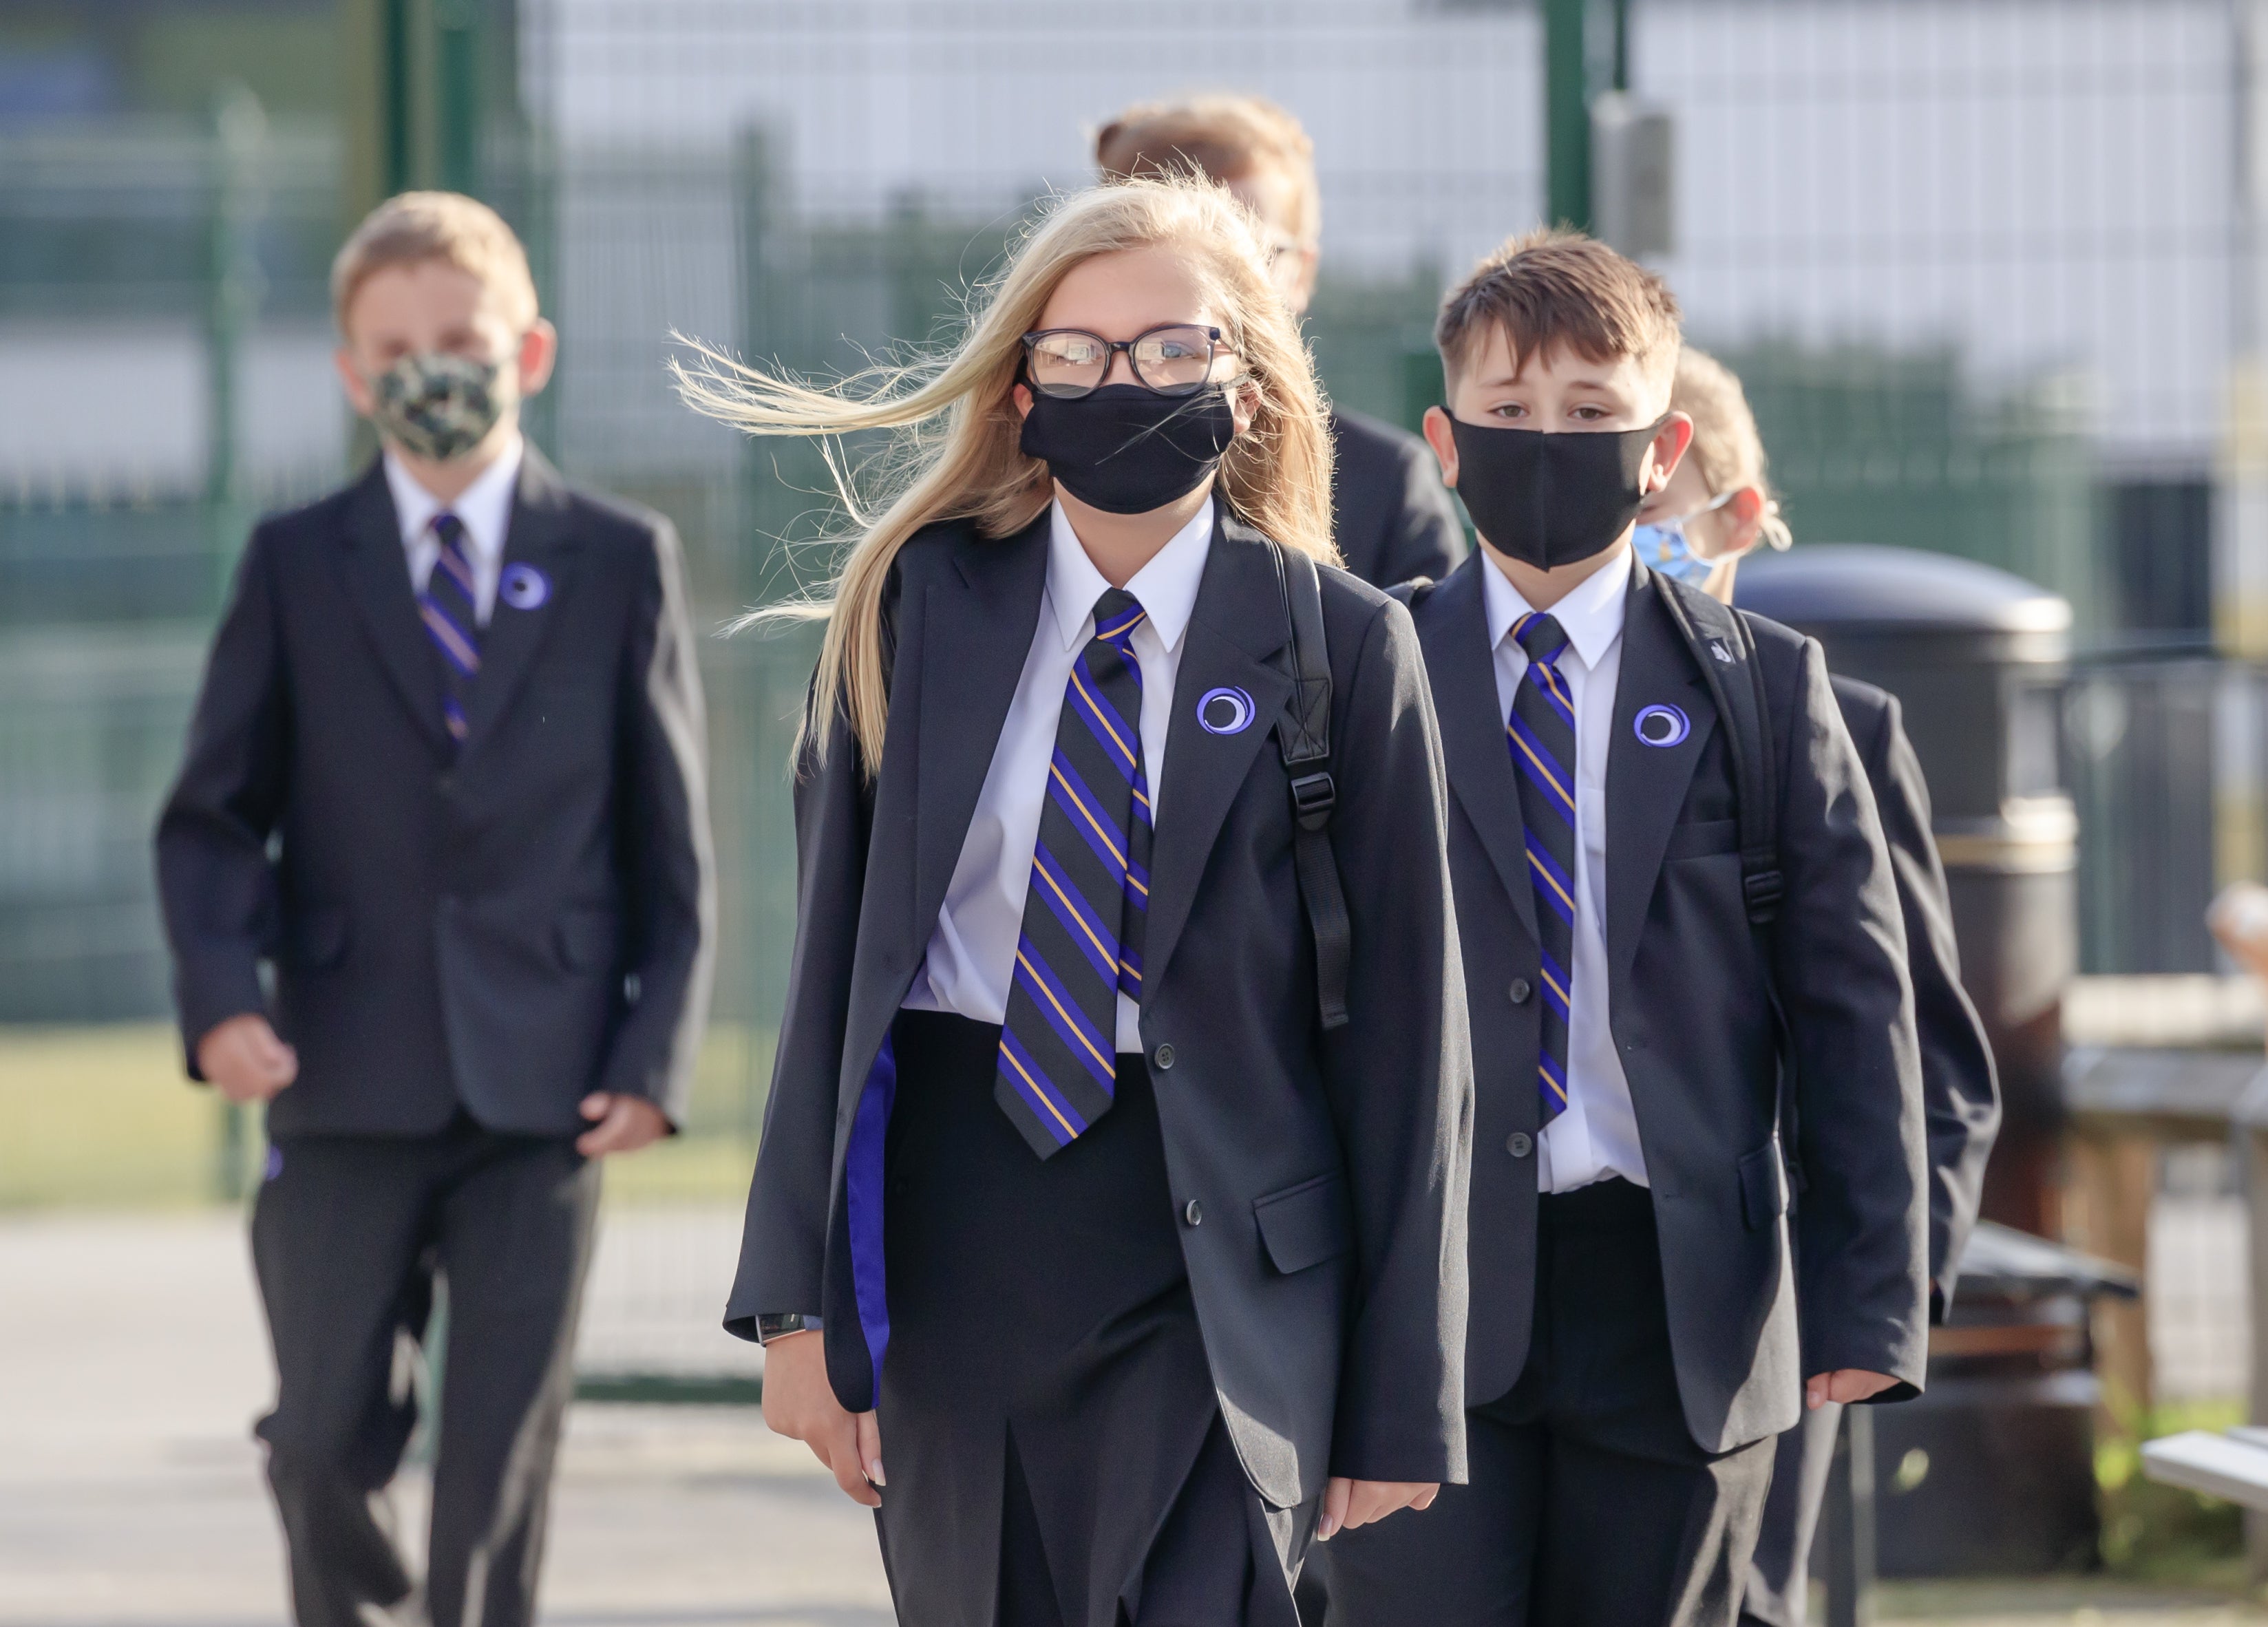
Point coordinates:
[[1081, 942], [1542, 730], [449, 608]]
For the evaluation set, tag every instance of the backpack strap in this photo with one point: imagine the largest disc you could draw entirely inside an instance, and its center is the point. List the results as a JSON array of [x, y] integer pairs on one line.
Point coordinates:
[[1724, 649], [1304, 734]]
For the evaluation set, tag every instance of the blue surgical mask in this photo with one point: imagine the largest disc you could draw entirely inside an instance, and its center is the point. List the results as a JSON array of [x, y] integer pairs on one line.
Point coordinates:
[[1662, 546]]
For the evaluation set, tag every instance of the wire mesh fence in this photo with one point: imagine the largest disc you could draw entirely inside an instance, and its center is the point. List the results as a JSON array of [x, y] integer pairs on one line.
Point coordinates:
[[1981, 263]]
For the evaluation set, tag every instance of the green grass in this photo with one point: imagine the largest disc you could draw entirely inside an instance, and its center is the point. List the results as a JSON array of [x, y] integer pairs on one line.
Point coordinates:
[[2154, 1533], [103, 1117]]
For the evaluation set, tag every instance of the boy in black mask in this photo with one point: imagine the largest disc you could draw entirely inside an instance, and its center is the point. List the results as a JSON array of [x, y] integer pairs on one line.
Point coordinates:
[[1634, 1344]]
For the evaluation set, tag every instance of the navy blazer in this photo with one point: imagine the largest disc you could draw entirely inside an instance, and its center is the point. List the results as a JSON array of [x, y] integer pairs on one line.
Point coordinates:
[[1393, 518], [1330, 1168], [1691, 1004], [505, 925], [1960, 1093]]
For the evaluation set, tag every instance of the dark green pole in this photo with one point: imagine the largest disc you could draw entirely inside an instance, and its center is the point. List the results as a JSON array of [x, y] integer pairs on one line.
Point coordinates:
[[1622, 44], [457, 71], [1566, 114], [397, 157]]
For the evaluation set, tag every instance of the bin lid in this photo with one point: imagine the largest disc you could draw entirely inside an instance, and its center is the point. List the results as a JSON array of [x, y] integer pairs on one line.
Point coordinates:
[[2004, 1263], [1856, 586]]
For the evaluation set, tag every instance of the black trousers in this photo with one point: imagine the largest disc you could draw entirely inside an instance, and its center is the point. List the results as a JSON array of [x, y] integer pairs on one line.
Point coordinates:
[[1050, 1428], [348, 1236], [1779, 1577], [1590, 1504]]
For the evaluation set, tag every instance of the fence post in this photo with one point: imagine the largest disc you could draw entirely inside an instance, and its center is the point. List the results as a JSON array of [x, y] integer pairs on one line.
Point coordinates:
[[1849, 1516]]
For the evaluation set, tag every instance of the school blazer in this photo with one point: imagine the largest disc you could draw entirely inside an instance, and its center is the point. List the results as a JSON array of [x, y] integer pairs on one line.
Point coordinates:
[[507, 924], [1392, 515], [1690, 1004], [1961, 1094], [1327, 1171]]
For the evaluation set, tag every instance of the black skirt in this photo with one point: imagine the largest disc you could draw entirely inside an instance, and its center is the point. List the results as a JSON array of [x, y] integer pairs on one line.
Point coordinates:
[[1045, 1402]]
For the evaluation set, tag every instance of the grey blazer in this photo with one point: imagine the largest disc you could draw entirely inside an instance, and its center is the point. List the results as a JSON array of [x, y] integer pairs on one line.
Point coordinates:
[[1691, 1004], [1329, 1170]]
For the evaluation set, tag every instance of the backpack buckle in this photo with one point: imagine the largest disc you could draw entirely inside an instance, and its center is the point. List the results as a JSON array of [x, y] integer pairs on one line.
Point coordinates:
[[1313, 795], [1763, 889]]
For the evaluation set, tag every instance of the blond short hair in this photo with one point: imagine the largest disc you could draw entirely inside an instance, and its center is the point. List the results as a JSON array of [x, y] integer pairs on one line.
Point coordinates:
[[1727, 452], [1556, 288], [1223, 138], [416, 226]]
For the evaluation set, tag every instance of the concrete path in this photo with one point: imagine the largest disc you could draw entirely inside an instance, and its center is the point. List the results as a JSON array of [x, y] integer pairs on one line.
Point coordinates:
[[132, 1362]]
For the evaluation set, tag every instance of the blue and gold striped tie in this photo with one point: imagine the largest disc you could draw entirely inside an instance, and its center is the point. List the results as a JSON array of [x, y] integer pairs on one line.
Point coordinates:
[[449, 608], [1542, 730], [1081, 942]]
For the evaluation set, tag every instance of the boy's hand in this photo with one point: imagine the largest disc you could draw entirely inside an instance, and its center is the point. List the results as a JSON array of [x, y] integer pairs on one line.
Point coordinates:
[[624, 1123], [1350, 1503], [1845, 1384], [800, 1403], [244, 1060]]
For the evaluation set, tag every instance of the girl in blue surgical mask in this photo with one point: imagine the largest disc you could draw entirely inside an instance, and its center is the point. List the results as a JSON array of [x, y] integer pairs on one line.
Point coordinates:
[[1719, 502]]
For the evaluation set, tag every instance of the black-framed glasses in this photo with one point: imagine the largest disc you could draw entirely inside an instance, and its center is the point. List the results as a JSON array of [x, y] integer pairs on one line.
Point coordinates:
[[1067, 362]]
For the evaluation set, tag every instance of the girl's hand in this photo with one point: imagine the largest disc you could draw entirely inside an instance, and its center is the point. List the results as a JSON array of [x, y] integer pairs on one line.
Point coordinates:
[[800, 1403], [1350, 1503]]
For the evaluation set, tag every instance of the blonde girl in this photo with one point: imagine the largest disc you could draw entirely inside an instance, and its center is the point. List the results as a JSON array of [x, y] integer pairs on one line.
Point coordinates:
[[1719, 503], [1083, 1250]]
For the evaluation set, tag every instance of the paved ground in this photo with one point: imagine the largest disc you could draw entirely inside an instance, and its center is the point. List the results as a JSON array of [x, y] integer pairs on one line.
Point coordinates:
[[131, 1363]]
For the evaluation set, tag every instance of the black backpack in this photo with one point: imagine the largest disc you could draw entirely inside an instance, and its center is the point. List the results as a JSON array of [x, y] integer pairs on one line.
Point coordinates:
[[1304, 735]]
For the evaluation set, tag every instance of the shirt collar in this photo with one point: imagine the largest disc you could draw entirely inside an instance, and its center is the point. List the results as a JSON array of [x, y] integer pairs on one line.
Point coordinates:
[[1166, 588], [484, 506], [1591, 616]]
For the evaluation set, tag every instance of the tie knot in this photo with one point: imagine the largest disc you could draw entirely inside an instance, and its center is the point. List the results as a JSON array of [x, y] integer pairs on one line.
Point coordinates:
[[449, 528], [1116, 615], [1541, 636]]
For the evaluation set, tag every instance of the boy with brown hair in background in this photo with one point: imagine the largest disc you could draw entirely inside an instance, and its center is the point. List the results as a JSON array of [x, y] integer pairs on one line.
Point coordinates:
[[1392, 518], [438, 881]]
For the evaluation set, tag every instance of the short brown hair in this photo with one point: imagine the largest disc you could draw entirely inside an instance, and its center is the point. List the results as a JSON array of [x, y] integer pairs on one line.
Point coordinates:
[[1556, 287], [1727, 451], [1223, 138], [414, 226]]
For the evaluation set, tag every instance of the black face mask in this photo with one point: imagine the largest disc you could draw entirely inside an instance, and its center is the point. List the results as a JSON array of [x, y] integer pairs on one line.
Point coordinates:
[[1127, 450], [1553, 500]]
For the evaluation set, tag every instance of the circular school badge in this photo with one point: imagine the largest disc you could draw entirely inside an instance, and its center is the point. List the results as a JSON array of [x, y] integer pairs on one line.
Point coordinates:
[[1225, 711], [523, 587], [1662, 725]]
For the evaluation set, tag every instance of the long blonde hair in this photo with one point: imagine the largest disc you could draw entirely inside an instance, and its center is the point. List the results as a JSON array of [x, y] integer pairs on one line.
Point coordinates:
[[1276, 475]]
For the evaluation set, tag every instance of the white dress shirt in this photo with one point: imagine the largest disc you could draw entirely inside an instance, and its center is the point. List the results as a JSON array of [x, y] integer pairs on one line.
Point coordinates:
[[1596, 1135], [973, 950], [483, 508]]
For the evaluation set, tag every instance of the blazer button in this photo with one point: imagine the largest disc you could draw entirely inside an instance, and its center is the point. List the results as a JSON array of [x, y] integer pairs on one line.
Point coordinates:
[[1193, 1212], [1519, 990], [1163, 1058], [1520, 1143]]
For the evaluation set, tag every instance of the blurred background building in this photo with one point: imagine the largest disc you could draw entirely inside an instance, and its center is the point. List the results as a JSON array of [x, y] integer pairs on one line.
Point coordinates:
[[1987, 266]]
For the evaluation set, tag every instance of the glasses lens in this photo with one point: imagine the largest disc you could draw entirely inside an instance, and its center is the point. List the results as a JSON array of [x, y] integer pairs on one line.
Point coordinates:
[[1175, 361], [1068, 363]]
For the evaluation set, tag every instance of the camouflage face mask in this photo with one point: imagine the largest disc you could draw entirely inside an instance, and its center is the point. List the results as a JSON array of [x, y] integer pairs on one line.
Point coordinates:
[[436, 404]]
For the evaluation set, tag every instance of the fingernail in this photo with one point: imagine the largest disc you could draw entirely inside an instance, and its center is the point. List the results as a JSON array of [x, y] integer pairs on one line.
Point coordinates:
[[875, 1473], [1323, 1531]]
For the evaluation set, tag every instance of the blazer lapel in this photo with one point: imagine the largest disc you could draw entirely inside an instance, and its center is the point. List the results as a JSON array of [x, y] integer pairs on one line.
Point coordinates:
[[1645, 785], [976, 633], [1237, 624], [540, 558], [377, 573], [1454, 633]]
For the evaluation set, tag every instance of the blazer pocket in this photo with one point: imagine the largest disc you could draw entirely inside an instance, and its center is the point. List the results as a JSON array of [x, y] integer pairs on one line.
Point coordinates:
[[1303, 1226], [1763, 1185], [318, 940], [585, 941], [1700, 837]]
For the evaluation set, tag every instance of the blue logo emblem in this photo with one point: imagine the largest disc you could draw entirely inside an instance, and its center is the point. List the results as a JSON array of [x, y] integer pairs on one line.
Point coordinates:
[[274, 1164], [523, 587], [1662, 725], [1225, 711]]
